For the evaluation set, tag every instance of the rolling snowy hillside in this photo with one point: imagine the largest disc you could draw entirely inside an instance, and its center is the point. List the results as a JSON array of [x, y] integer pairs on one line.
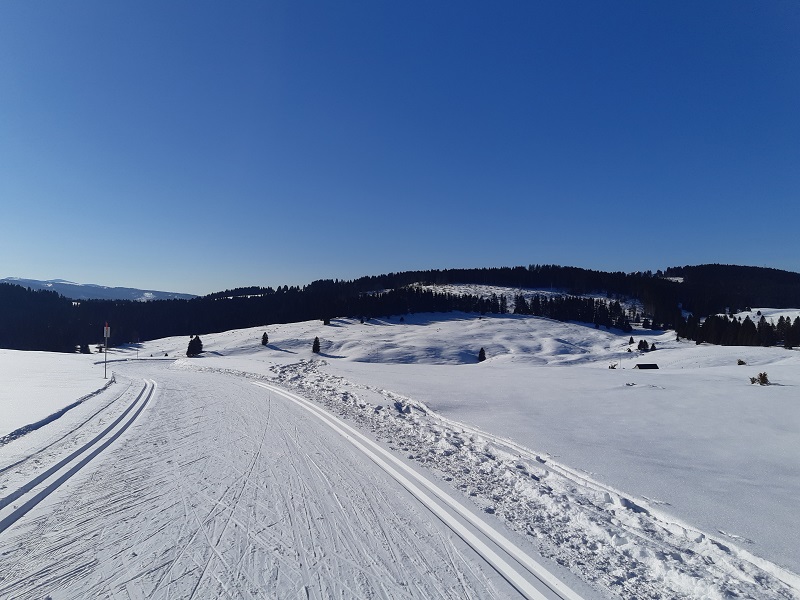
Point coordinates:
[[674, 483]]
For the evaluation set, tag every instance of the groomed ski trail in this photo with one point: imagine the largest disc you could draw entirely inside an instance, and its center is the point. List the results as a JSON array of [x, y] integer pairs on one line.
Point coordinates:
[[404, 475], [217, 491]]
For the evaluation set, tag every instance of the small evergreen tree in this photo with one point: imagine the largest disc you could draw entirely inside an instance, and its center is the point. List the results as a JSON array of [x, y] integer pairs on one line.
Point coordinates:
[[482, 355], [264, 339], [793, 334], [315, 346], [643, 345], [195, 346], [630, 341]]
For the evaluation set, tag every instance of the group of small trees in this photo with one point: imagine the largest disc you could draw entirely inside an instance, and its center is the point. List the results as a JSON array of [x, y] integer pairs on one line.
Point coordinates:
[[314, 346], [642, 346]]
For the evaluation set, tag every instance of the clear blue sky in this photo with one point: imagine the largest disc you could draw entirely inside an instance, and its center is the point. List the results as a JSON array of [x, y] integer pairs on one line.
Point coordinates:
[[196, 146]]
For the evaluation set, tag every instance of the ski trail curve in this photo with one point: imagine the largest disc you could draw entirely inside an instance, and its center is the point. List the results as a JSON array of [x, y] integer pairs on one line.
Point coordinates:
[[404, 475]]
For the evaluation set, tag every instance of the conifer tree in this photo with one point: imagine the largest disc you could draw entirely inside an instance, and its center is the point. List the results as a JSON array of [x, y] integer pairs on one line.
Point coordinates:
[[264, 339], [482, 355], [195, 346], [793, 335], [315, 346]]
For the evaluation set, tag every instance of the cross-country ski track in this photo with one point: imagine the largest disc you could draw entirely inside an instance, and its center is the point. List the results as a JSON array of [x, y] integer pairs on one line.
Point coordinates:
[[404, 476], [41, 486], [206, 486]]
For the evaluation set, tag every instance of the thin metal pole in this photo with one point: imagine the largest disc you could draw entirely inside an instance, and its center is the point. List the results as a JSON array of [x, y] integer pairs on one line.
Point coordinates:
[[105, 364]]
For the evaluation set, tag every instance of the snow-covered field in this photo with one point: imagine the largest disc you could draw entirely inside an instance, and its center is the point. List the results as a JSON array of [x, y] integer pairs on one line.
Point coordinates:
[[38, 384], [680, 482]]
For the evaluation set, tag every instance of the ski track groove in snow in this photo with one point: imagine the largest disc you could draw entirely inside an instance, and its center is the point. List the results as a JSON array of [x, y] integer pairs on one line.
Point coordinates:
[[593, 529], [401, 473], [41, 452], [54, 482], [25, 488], [169, 503], [216, 492]]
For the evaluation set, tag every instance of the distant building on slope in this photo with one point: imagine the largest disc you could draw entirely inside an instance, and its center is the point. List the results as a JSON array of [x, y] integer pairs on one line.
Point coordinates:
[[646, 366]]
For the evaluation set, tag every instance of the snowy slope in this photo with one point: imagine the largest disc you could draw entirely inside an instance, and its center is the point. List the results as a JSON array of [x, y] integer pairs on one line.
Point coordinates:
[[674, 483], [692, 439], [38, 384]]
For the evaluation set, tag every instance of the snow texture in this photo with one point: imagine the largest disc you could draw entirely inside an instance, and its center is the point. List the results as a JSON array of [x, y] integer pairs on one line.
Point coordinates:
[[676, 483]]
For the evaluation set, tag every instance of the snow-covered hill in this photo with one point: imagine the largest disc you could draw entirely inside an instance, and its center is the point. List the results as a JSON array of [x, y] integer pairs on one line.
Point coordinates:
[[90, 291], [671, 483]]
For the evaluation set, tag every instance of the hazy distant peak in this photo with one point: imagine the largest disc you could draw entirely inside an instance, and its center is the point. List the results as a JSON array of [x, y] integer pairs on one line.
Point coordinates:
[[92, 291]]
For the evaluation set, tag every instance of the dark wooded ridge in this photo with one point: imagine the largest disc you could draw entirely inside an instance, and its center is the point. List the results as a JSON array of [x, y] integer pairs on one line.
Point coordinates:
[[41, 320]]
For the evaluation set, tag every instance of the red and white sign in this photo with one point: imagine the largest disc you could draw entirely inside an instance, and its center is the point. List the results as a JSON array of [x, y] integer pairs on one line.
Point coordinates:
[[106, 331]]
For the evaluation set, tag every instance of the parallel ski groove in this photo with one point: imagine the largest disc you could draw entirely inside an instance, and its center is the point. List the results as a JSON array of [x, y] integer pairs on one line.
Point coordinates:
[[40, 480], [380, 456]]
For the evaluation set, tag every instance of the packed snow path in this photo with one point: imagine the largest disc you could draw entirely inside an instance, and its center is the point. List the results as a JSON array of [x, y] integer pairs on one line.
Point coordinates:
[[224, 489]]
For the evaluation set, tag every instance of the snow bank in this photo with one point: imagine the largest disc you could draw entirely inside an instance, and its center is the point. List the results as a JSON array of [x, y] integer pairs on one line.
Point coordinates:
[[38, 384], [694, 438]]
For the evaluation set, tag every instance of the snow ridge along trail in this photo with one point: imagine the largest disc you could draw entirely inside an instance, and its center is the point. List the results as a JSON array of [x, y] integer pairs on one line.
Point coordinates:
[[41, 486], [224, 490], [402, 474]]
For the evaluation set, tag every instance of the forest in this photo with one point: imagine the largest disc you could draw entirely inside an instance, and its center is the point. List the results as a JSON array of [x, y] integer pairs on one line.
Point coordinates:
[[689, 299]]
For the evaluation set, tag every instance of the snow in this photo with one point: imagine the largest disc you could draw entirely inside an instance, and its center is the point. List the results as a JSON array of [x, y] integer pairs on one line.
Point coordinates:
[[486, 291], [38, 384], [680, 482], [770, 314]]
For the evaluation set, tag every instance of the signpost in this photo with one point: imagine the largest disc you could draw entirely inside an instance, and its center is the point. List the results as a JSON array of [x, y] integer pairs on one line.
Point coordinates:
[[106, 335]]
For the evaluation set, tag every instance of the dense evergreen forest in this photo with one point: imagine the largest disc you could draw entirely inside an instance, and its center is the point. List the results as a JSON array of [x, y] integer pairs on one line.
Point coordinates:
[[42, 320]]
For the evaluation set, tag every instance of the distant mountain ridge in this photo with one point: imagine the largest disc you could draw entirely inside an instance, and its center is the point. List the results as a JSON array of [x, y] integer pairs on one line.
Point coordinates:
[[90, 291]]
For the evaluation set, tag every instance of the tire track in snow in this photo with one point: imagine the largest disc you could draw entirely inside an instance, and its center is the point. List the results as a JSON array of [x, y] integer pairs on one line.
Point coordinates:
[[382, 458]]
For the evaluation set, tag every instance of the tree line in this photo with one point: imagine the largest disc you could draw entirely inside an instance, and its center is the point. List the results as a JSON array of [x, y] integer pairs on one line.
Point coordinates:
[[728, 330], [43, 320], [575, 308]]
